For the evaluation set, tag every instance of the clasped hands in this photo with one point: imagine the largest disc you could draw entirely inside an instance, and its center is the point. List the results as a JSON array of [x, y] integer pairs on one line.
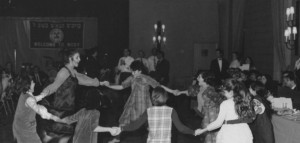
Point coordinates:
[[114, 131], [199, 132], [177, 92], [104, 83]]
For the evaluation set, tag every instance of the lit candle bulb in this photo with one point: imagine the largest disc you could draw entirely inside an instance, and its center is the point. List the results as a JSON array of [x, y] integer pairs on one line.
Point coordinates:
[[294, 32], [155, 27], [154, 39], [288, 12], [292, 11], [286, 35], [164, 39], [163, 27], [158, 38]]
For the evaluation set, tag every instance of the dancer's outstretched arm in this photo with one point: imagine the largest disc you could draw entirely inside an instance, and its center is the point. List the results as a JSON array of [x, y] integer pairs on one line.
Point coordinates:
[[175, 92], [39, 109], [87, 81]]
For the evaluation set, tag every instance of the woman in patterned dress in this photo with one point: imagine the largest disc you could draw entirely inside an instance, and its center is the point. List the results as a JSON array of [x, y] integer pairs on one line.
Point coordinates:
[[208, 102], [139, 99]]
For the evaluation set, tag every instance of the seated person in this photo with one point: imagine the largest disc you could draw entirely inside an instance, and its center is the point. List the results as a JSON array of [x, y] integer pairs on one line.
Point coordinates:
[[289, 89]]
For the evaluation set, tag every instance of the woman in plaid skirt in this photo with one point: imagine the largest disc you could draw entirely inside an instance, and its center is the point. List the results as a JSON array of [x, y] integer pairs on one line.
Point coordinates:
[[160, 118]]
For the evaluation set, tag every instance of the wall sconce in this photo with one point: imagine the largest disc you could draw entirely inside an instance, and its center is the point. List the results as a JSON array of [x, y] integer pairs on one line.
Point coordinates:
[[290, 33], [159, 38]]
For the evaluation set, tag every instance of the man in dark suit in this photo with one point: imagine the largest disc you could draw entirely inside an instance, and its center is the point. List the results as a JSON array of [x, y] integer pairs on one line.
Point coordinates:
[[92, 66], [219, 65], [289, 89], [289, 80], [162, 68], [40, 79]]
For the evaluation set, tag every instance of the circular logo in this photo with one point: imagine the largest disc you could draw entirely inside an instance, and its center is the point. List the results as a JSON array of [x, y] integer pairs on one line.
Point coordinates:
[[56, 35]]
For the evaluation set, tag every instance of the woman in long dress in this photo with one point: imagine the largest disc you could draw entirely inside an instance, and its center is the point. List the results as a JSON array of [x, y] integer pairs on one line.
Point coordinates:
[[24, 124], [139, 99], [208, 102], [261, 127], [236, 106], [63, 104]]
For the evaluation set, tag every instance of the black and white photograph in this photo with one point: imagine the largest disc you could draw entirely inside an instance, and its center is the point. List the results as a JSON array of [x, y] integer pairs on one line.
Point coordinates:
[[149, 71]]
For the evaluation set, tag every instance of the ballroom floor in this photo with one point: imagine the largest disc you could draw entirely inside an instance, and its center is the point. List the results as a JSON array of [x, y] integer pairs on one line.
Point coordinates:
[[181, 104]]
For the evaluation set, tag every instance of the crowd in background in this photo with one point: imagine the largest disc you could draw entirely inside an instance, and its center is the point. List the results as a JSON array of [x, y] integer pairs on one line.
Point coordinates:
[[236, 86]]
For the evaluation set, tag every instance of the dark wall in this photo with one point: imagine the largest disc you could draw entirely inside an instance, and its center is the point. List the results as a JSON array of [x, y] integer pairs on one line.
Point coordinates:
[[187, 23], [113, 25], [258, 40], [112, 15]]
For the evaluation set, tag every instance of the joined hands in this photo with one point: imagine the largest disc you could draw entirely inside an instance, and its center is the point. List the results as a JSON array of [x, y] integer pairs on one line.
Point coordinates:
[[199, 131], [114, 131]]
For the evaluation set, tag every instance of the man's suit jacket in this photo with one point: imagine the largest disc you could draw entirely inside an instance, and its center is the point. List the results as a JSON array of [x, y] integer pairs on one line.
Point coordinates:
[[214, 67], [162, 70], [289, 93]]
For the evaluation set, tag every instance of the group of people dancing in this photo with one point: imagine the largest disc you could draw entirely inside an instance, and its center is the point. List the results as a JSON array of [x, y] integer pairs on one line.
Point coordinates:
[[228, 108]]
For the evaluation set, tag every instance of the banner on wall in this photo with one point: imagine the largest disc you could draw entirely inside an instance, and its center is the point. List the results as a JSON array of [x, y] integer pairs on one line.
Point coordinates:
[[52, 35]]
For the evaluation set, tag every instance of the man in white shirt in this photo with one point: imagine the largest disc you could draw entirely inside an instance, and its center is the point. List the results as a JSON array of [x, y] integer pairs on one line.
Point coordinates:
[[141, 58], [123, 67], [152, 62], [219, 66]]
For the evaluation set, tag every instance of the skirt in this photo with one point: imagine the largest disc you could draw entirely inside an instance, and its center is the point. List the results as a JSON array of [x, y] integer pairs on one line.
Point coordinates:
[[235, 133]]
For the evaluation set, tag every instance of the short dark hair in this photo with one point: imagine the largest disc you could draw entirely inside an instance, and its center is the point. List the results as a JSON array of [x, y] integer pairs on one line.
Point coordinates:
[[137, 65], [22, 85], [159, 96], [159, 52], [289, 75], [128, 50], [220, 50], [68, 53]]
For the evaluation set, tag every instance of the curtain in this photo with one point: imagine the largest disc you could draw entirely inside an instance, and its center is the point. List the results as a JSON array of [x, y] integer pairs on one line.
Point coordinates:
[[231, 18], [238, 8], [282, 55]]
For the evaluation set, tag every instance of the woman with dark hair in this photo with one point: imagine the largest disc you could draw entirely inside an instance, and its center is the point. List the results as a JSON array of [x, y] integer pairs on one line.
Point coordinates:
[[248, 60], [208, 102], [261, 127], [269, 84], [236, 106], [139, 99], [63, 88], [24, 124], [160, 118]]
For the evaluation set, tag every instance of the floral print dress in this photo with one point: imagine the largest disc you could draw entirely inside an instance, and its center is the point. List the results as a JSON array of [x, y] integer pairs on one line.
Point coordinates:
[[139, 99]]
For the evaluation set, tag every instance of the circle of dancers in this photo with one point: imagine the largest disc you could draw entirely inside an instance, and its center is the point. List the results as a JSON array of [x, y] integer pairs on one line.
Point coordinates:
[[232, 111]]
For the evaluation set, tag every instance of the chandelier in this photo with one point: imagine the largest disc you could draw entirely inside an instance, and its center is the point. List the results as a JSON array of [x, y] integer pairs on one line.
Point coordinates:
[[159, 38], [290, 32]]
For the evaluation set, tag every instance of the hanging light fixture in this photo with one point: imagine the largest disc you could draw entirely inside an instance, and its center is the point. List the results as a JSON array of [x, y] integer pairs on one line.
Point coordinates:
[[291, 31], [159, 39]]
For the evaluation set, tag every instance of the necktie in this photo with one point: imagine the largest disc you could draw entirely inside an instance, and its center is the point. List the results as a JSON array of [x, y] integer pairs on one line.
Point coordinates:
[[38, 79]]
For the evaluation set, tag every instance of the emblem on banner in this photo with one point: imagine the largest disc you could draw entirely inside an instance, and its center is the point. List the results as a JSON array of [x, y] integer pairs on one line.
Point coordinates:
[[56, 35]]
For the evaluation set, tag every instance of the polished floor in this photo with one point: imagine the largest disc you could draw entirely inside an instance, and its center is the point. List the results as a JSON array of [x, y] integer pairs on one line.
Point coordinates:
[[181, 104]]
